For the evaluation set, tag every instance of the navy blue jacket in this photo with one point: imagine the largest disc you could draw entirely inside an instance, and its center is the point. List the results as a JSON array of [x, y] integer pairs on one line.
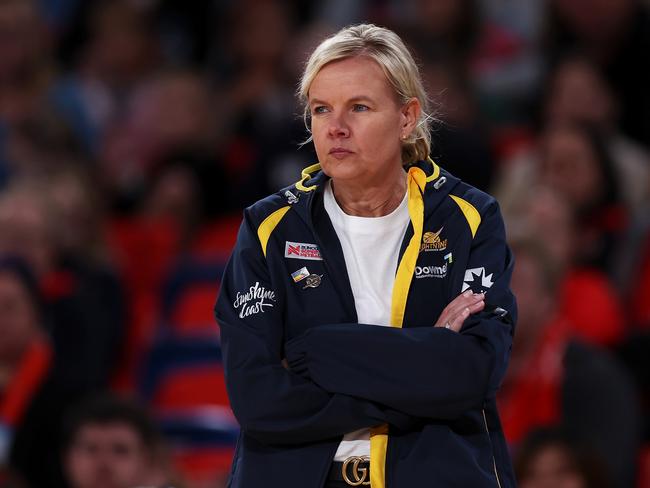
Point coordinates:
[[301, 372]]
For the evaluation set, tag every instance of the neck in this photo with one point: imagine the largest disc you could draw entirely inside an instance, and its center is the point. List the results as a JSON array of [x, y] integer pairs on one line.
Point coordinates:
[[370, 200]]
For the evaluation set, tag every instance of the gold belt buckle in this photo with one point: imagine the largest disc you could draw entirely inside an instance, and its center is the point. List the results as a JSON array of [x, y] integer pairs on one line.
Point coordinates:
[[360, 476]]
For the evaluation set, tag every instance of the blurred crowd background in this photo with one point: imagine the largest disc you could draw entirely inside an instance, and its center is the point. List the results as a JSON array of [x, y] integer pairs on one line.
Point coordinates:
[[133, 132]]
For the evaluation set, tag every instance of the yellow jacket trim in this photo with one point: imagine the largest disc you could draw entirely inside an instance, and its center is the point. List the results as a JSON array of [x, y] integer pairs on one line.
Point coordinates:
[[436, 171], [268, 225], [378, 448], [471, 214], [416, 181], [306, 174]]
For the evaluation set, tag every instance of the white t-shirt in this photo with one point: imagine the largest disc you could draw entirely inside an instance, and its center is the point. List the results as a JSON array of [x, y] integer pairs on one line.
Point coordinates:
[[371, 249]]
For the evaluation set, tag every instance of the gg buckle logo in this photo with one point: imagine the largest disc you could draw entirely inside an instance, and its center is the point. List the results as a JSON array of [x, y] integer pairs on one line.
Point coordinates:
[[360, 475]]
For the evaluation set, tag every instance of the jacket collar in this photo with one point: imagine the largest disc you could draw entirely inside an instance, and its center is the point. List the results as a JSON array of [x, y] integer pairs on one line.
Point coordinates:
[[439, 184]]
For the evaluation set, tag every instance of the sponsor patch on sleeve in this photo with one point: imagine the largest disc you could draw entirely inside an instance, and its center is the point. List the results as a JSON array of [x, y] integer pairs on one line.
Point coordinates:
[[302, 250]]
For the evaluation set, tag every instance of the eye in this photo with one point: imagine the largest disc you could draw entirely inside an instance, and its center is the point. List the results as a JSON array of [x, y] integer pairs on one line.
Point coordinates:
[[360, 107], [319, 109]]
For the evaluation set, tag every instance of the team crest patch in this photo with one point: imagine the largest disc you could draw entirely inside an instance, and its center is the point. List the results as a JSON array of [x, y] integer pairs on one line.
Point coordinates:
[[431, 241], [302, 250]]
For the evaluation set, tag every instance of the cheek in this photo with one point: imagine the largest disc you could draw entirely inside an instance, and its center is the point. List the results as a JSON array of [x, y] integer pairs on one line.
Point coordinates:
[[318, 134], [80, 465], [379, 137]]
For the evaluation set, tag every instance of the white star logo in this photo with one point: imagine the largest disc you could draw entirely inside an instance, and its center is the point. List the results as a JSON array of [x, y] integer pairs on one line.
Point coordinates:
[[472, 275]]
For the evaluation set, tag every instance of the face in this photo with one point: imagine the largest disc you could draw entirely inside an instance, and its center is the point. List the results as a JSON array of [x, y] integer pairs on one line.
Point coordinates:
[[552, 469], [357, 122], [107, 456], [578, 93], [571, 168], [25, 231], [545, 209]]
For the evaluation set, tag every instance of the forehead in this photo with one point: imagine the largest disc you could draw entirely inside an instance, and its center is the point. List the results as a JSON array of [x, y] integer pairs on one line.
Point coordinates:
[[351, 77], [112, 431]]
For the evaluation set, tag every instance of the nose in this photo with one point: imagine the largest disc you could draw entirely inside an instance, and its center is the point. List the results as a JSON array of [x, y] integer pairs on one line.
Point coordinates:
[[338, 127]]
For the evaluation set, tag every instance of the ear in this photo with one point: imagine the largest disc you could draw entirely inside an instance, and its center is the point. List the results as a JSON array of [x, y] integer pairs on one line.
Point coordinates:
[[410, 114]]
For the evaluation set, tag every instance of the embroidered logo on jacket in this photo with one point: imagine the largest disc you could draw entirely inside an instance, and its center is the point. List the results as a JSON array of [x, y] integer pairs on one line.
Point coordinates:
[[431, 241], [291, 197], [254, 300], [477, 276], [302, 250]]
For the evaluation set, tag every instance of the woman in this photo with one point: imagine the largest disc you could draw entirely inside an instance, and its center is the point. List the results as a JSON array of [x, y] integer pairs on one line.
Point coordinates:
[[328, 302]]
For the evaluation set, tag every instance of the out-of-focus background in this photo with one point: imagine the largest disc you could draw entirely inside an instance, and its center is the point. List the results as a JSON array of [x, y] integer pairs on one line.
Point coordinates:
[[133, 132]]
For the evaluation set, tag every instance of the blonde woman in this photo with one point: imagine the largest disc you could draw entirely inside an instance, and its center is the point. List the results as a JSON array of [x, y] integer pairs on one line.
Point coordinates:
[[366, 316]]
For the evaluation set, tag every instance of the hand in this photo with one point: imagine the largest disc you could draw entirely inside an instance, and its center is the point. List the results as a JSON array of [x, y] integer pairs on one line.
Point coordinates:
[[454, 315]]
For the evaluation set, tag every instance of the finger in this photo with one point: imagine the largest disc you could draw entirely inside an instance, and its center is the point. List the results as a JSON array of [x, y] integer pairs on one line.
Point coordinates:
[[476, 307], [456, 322], [459, 303]]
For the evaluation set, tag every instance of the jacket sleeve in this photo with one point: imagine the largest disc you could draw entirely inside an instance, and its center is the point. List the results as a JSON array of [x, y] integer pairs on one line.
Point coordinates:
[[424, 371], [271, 403]]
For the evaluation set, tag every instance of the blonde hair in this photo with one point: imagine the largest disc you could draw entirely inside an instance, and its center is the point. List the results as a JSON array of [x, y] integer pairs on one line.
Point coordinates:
[[389, 52]]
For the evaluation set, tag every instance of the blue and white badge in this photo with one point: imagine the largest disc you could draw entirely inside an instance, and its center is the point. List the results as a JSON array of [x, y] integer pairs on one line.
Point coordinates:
[[301, 274]]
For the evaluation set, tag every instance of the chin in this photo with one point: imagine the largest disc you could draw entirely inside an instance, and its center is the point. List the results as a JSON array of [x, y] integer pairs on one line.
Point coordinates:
[[341, 170], [332, 164]]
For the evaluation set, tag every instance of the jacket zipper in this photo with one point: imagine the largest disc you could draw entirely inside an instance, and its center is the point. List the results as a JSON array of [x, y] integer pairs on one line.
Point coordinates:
[[494, 462]]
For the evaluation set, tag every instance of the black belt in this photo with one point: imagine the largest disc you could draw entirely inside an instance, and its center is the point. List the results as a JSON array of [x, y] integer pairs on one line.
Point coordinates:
[[354, 471]]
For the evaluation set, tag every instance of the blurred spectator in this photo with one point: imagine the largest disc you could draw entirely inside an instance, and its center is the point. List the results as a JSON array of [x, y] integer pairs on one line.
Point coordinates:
[[24, 66], [25, 77], [550, 459], [460, 143], [615, 35], [171, 111], [83, 297], [507, 65], [36, 146], [574, 160], [445, 28], [576, 163], [577, 93], [33, 395], [555, 379], [255, 68], [112, 443], [189, 188], [76, 200], [118, 52], [586, 298], [25, 353]]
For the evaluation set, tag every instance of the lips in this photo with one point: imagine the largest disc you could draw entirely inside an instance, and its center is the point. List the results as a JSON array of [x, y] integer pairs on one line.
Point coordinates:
[[339, 151]]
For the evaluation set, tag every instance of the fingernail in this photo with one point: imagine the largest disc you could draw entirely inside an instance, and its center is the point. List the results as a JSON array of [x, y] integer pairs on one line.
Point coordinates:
[[466, 311], [468, 293]]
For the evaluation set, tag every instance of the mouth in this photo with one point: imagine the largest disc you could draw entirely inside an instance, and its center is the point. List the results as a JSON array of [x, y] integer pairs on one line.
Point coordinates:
[[339, 152]]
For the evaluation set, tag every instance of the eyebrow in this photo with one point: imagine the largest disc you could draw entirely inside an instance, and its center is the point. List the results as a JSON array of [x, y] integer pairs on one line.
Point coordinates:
[[358, 98]]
